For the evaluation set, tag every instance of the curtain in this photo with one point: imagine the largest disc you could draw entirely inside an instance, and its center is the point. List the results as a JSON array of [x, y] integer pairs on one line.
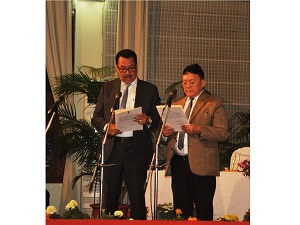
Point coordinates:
[[58, 39], [132, 31], [59, 62]]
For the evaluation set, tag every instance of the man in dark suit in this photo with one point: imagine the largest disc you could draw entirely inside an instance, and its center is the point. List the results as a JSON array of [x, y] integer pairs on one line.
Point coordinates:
[[130, 151], [194, 163]]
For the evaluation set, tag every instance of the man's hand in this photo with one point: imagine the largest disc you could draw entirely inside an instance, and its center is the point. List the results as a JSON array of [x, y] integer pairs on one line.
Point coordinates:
[[168, 130], [191, 128], [113, 130]]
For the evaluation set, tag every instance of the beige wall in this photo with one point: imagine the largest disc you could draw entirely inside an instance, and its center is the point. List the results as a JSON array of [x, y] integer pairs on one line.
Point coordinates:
[[88, 42], [88, 36]]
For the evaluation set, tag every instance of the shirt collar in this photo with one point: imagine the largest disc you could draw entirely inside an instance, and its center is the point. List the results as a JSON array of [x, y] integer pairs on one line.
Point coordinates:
[[134, 83], [196, 98]]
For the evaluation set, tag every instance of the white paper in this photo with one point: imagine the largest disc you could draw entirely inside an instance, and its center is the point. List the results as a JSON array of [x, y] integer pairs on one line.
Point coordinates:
[[124, 119], [176, 116]]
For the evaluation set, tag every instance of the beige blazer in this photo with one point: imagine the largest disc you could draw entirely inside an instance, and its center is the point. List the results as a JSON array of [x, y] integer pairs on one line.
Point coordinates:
[[203, 152]]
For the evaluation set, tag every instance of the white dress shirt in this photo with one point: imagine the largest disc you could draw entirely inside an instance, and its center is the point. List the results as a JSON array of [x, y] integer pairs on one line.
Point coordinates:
[[130, 102], [184, 150]]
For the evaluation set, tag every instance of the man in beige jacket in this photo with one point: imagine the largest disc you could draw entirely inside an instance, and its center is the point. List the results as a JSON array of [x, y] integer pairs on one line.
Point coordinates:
[[194, 163]]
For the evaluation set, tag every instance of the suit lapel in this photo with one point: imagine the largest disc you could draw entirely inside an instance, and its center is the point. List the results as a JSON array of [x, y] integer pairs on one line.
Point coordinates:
[[139, 94], [201, 101], [181, 102], [115, 90]]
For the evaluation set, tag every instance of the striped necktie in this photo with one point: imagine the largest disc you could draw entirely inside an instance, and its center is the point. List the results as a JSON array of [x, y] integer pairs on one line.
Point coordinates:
[[181, 134], [124, 99]]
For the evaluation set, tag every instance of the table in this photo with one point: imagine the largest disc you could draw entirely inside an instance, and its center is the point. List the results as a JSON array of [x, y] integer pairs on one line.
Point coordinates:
[[232, 194]]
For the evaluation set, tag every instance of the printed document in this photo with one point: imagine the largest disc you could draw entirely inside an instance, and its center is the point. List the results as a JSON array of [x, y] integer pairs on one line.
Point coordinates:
[[124, 119], [175, 117]]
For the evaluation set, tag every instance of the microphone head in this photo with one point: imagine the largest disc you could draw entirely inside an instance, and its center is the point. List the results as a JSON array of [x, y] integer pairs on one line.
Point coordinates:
[[61, 98], [173, 92], [172, 95]]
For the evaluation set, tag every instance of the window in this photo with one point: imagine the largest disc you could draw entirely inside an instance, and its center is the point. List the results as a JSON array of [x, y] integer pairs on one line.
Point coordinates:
[[215, 34]]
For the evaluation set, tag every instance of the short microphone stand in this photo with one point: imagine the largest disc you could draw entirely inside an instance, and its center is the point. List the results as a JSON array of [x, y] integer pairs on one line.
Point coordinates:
[[101, 165], [155, 157]]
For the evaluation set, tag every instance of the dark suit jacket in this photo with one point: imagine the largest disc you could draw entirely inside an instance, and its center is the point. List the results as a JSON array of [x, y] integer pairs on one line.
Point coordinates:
[[147, 97], [203, 152]]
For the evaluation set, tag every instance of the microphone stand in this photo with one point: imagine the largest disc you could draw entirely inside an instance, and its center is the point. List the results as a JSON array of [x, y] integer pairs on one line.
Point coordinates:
[[53, 111], [49, 125], [156, 166], [153, 158], [101, 165], [50, 121]]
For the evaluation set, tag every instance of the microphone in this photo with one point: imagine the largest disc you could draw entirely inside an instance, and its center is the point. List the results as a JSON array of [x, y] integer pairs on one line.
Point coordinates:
[[54, 107], [171, 97], [117, 98]]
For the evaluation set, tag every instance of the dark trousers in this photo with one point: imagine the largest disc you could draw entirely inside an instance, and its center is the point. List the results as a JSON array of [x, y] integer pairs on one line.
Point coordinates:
[[190, 190], [126, 159]]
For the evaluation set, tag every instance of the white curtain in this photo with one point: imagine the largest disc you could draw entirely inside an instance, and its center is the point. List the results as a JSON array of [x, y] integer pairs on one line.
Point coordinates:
[[59, 62], [58, 39], [132, 31]]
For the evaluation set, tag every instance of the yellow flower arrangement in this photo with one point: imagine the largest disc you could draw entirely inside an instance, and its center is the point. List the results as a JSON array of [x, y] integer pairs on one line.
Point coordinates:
[[118, 214], [72, 212], [51, 213], [228, 217], [51, 209], [71, 205]]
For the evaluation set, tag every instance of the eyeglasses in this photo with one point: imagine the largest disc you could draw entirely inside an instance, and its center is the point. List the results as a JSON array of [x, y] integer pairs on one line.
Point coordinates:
[[192, 83], [130, 70]]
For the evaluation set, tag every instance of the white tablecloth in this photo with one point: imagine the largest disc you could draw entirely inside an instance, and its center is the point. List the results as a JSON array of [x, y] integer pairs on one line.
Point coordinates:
[[232, 193]]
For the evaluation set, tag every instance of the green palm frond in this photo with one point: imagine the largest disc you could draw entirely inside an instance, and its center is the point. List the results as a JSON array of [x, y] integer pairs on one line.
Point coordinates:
[[79, 137], [67, 111], [100, 74], [75, 83], [239, 136], [87, 81]]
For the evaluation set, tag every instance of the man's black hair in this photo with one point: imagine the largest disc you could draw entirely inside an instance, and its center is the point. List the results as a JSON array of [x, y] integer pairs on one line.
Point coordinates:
[[126, 53], [194, 68]]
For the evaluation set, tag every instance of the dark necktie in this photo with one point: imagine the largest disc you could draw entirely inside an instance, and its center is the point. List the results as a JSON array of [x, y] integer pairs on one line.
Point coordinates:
[[124, 99], [181, 134]]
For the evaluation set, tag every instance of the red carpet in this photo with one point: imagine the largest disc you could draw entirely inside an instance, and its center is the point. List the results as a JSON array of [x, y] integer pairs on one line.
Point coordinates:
[[137, 222]]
